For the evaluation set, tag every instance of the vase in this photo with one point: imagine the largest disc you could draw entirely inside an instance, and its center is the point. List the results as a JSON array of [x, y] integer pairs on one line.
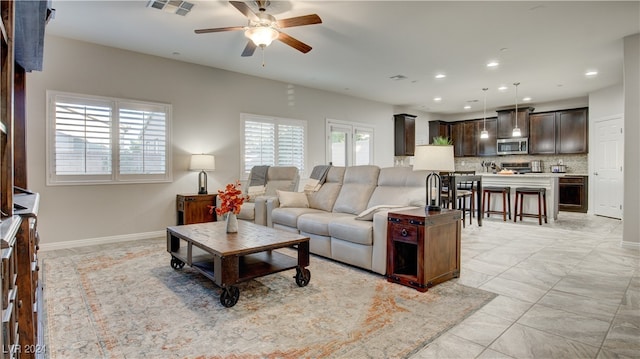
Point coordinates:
[[232, 223]]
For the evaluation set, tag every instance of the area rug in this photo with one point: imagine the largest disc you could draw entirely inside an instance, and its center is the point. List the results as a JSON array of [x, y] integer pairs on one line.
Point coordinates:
[[125, 301]]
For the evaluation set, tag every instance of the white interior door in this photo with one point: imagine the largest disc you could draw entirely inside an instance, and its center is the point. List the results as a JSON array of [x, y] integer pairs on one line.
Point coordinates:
[[607, 168]]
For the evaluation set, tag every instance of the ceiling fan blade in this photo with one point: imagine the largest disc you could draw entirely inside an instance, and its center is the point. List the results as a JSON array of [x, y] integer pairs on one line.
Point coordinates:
[[219, 29], [245, 9], [300, 21], [249, 49], [296, 44]]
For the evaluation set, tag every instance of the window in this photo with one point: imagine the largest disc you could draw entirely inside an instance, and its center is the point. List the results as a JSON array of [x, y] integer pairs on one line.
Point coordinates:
[[106, 140], [272, 141], [349, 144]]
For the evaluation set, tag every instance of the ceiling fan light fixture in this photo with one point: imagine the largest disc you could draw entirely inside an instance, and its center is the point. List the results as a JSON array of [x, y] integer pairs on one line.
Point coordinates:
[[261, 36]]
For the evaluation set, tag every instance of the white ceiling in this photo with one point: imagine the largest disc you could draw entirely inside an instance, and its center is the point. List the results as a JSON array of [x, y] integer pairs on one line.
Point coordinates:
[[546, 46]]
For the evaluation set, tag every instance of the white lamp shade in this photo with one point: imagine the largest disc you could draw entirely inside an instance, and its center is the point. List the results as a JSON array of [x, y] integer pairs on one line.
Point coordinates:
[[434, 158], [202, 163]]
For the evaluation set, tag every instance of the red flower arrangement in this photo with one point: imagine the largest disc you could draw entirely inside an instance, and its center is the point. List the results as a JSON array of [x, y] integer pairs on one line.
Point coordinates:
[[231, 199]]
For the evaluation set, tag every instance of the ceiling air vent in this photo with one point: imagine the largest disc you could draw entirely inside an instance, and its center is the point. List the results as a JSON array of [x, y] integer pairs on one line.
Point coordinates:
[[173, 6]]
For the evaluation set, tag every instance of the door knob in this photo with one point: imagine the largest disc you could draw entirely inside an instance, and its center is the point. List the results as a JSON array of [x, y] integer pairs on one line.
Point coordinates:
[[595, 173]]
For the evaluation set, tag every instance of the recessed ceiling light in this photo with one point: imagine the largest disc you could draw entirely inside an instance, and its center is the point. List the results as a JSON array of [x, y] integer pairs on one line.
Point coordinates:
[[467, 107], [591, 73], [441, 76], [503, 88], [437, 99], [493, 64], [526, 99]]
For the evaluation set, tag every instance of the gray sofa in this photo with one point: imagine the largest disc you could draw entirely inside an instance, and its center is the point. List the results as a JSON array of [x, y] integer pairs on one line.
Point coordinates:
[[346, 219]]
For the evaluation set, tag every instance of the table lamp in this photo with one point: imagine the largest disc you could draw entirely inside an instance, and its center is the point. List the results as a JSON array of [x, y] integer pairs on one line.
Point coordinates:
[[202, 163], [435, 158]]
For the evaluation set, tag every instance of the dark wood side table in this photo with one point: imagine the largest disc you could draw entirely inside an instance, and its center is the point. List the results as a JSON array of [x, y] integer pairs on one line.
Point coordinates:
[[423, 248], [193, 208]]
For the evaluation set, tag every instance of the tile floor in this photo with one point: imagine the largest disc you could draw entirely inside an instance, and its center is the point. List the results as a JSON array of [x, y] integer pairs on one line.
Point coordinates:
[[566, 289]]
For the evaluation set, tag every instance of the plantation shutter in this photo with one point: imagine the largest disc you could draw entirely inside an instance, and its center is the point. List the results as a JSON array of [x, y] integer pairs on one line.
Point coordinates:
[[143, 134], [272, 141], [94, 139], [82, 137]]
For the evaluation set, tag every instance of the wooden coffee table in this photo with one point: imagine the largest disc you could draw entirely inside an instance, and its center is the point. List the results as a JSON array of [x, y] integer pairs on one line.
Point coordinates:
[[230, 258]]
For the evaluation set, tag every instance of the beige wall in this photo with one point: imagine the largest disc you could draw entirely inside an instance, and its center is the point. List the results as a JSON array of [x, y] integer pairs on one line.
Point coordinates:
[[206, 103]]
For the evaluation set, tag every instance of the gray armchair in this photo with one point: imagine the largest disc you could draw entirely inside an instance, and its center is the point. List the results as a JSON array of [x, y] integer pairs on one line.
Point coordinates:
[[284, 178]]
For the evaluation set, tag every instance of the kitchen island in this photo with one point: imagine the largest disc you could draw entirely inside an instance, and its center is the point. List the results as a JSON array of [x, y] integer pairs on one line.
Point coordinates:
[[530, 205]]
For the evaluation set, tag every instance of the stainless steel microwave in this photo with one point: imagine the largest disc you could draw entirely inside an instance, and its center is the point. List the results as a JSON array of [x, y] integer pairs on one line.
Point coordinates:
[[513, 146]]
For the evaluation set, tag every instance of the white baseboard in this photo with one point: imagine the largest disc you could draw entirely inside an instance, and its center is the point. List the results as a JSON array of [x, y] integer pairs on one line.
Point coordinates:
[[101, 240], [630, 245]]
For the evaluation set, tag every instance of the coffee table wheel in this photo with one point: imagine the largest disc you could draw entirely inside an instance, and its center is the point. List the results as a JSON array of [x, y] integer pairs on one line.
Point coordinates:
[[176, 263], [229, 296], [303, 276]]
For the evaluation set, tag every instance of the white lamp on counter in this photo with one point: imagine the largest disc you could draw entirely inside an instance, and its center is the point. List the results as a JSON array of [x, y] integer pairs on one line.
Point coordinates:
[[435, 158], [202, 163]]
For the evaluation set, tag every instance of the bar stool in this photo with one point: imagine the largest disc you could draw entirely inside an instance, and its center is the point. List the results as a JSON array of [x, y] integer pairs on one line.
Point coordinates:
[[506, 200], [542, 201]]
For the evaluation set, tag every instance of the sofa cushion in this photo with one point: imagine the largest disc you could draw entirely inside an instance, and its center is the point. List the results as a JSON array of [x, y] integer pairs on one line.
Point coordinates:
[[289, 216], [398, 185], [292, 199], [357, 186], [350, 230], [284, 178], [318, 223], [326, 196]]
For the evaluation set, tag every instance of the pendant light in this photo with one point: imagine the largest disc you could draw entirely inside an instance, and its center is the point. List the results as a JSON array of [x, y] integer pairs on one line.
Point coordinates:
[[484, 133], [516, 130]]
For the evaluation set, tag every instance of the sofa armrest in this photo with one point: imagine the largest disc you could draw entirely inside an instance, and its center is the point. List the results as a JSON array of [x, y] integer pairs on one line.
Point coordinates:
[[379, 256], [261, 209], [271, 203]]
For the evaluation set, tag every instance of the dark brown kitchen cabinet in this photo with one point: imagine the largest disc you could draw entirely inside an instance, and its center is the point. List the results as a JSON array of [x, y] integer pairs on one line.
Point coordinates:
[[542, 133], [487, 146], [558, 132], [572, 132], [438, 129], [506, 122], [457, 137], [470, 132], [404, 134], [573, 193]]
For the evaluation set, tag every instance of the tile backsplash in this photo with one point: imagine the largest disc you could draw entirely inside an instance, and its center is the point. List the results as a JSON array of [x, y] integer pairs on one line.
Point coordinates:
[[574, 163]]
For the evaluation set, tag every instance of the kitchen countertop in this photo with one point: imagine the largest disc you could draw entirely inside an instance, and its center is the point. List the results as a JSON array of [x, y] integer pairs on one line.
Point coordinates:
[[542, 174]]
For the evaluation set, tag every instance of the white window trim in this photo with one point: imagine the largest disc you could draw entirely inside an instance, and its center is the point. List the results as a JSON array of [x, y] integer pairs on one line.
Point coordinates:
[[115, 177], [352, 127], [276, 120]]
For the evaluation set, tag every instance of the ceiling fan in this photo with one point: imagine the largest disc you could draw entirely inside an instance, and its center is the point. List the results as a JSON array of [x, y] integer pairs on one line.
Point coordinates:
[[263, 28]]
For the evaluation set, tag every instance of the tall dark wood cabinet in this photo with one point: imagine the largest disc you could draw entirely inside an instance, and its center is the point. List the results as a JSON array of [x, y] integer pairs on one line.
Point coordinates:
[[507, 121], [404, 134], [21, 43], [487, 146]]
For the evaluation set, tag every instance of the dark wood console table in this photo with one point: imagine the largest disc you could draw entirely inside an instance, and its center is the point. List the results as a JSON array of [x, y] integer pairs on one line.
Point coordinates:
[[423, 248]]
